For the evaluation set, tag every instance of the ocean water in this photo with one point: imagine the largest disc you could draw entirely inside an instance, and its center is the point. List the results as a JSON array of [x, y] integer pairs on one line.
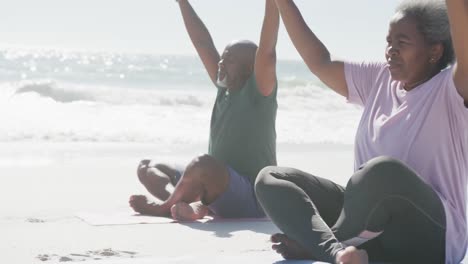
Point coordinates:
[[65, 96]]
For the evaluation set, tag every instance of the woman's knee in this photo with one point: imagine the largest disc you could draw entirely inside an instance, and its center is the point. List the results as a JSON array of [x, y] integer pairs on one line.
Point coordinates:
[[382, 171], [383, 162], [265, 180], [264, 174], [385, 166]]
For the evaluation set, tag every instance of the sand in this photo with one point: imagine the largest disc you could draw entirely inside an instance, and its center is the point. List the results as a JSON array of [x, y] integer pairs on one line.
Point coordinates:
[[46, 185]]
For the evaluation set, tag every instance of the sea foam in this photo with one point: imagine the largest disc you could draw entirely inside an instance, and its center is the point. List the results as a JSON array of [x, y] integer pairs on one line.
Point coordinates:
[[52, 96]]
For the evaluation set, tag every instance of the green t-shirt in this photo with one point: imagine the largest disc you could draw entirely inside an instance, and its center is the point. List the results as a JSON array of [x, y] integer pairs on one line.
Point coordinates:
[[243, 133]]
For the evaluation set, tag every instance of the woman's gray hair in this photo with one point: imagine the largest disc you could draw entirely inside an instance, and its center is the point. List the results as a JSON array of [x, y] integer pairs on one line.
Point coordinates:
[[433, 22]]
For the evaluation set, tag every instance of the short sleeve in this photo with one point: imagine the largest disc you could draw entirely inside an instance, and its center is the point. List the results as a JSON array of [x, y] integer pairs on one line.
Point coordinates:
[[361, 78]]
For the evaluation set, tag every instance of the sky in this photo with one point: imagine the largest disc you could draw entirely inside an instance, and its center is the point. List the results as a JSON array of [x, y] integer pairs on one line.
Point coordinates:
[[353, 30]]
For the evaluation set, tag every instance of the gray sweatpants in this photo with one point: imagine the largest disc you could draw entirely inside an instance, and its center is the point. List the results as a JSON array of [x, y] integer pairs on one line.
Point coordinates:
[[385, 209]]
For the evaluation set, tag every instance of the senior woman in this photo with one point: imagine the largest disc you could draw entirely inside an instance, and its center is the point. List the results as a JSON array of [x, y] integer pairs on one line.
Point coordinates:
[[406, 201]]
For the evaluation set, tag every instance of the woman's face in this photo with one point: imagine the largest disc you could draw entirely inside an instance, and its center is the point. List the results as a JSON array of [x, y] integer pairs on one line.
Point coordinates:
[[410, 58]]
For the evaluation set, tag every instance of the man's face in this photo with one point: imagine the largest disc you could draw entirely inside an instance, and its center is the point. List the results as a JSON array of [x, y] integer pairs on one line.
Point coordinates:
[[230, 68]]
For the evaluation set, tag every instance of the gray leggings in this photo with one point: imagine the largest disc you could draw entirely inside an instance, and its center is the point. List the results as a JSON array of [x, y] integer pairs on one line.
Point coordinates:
[[384, 198]]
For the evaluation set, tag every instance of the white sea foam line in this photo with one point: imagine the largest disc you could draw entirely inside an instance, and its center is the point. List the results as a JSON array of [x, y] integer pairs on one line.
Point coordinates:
[[25, 162]]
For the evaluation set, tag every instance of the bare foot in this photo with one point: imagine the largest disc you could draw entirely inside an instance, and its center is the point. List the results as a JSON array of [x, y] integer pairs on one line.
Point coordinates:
[[189, 212], [140, 204], [352, 255], [289, 248]]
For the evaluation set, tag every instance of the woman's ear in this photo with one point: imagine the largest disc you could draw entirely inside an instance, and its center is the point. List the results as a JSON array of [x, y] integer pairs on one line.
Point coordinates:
[[436, 53]]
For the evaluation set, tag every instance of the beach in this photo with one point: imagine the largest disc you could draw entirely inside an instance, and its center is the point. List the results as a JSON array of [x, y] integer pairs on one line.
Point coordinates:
[[48, 184], [74, 126]]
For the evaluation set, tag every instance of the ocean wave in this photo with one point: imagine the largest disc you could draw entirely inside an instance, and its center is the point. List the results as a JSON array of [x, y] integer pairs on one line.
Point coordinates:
[[50, 89], [306, 115], [297, 94], [294, 82], [189, 100], [98, 97], [61, 92]]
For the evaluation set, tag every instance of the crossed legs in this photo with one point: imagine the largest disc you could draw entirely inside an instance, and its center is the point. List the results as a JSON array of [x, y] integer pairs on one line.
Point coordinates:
[[204, 180], [326, 222]]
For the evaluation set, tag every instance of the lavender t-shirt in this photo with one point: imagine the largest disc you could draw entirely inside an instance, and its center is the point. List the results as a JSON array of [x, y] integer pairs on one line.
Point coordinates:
[[426, 128]]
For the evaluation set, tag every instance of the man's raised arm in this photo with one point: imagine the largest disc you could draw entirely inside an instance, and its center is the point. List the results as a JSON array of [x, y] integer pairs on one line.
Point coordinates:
[[265, 61], [201, 39]]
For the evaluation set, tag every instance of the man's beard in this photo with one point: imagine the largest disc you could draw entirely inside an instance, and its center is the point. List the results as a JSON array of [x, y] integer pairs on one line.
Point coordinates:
[[221, 82]]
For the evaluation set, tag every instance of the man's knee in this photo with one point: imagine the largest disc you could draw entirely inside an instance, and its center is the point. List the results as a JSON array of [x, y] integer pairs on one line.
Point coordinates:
[[148, 169], [142, 170], [202, 162], [206, 167], [209, 174]]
